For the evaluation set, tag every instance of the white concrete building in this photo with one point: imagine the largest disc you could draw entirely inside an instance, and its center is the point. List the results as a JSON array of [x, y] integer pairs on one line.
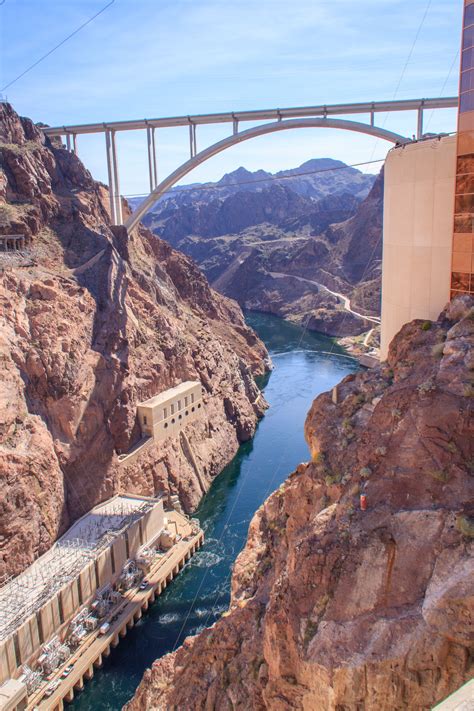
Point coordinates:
[[417, 233], [164, 415], [40, 602]]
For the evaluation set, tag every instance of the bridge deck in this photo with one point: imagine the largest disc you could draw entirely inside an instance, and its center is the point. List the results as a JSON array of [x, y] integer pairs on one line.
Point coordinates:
[[259, 115]]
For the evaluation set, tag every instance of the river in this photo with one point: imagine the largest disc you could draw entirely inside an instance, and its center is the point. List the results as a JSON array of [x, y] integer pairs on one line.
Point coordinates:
[[305, 364]]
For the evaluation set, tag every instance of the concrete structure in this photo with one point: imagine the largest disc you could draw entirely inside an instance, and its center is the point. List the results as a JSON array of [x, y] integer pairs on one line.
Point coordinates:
[[165, 415], [282, 119], [40, 603], [460, 700], [13, 696], [417, 233], [132, 604], [462, 279]]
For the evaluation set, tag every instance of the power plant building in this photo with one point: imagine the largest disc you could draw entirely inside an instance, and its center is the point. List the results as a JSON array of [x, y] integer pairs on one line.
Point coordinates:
[[39, 603], [164, 415]]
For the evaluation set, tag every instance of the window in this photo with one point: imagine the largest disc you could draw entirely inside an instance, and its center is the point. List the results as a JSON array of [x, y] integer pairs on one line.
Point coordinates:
[[172, 408], [166, 425], [192, 397], [186, 413], [144, 420], [173, 421], [199, 405], [179, 404], [165, 413], [180, 417], [186, 401], [192, 409]]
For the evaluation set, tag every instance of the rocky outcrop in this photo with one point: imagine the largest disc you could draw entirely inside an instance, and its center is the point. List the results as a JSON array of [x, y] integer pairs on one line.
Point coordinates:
[[336, 607], [91, 323]]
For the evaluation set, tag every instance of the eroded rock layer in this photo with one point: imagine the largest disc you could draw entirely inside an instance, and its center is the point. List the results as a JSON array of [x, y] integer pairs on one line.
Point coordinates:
[[91, 323], [335, 607]]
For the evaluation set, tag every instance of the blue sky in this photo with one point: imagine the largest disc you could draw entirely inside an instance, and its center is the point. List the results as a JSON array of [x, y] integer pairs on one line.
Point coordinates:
[[151, 58]]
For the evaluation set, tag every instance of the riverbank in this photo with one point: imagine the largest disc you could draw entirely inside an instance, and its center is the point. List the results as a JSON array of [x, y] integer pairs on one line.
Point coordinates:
[[306, 363]]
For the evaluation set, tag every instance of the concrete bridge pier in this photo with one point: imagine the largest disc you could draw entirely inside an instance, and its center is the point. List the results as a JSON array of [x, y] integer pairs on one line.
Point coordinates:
[[70, 695], [130, 624], [89, 673], [98, 662], [137, 615], [79, 685], [115, 642], [106, 652], [123, 632]]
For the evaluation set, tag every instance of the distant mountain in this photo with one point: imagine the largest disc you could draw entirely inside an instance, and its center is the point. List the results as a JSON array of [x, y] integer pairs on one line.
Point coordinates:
[[285, 242], [316, 178]]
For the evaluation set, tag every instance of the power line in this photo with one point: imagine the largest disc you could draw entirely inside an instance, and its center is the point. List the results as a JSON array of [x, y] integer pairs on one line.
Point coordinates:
[[38, 61], [448, 76], [216, 186], [410, 54]]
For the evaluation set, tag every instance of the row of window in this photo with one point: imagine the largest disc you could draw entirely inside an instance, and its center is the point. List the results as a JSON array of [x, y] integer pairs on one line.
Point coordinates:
[[180, 417]]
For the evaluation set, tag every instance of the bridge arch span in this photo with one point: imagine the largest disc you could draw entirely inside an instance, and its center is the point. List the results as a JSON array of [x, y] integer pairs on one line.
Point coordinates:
[[236, 138]]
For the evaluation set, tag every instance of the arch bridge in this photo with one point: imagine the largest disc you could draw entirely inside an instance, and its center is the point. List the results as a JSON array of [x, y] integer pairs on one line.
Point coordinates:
[[275, 120]]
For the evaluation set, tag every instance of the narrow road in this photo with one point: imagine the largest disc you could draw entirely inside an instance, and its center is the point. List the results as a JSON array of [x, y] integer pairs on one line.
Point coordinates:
[[345, 299]]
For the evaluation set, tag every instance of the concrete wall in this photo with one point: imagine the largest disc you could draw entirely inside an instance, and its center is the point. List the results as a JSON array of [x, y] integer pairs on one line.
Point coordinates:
[[120, 554], [134, 542], [104, 567], [88, 582], [69, 596], [8, 662], [153, 522], [417, 233]]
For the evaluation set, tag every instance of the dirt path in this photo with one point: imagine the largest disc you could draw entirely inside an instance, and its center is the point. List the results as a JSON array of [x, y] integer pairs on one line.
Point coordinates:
[[345, 299]]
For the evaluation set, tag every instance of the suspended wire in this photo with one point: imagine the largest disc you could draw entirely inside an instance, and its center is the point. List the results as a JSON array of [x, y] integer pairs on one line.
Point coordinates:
[[403, 72], [38, 61], [448, 76]]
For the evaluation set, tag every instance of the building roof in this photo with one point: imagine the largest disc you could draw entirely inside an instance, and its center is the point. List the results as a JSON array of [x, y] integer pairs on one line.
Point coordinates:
[[170, 394]]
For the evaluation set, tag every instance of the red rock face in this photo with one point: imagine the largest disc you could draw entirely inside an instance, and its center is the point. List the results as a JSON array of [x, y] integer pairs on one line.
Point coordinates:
[[91, 324], [338, 608]]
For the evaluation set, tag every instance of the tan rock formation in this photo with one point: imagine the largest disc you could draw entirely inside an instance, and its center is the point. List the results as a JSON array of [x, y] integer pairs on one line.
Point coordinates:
[[336, 608], [92, 322]]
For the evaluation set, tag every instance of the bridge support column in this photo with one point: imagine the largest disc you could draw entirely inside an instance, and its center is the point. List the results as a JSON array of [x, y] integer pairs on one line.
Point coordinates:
[[192, 139], [68, 141], [118, 201], [113, 175], [110, 173], [74, 143], [419, 130], [150, 136]]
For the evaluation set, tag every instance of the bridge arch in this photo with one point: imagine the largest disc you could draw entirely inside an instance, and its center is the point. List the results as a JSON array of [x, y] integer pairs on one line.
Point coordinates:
[[241, 136]]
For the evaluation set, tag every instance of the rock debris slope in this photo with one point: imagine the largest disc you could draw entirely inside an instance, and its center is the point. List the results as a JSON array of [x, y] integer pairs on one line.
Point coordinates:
[[90, 324], [254, 238], [335, 608]]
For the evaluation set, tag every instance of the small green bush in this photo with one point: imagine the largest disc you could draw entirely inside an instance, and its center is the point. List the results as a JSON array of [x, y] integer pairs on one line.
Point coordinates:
[[465, 525], [426, 325]]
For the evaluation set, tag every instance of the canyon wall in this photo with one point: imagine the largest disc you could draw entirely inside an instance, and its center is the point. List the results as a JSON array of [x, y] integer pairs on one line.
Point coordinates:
[[91, 323], [285, 246], [339, 608]]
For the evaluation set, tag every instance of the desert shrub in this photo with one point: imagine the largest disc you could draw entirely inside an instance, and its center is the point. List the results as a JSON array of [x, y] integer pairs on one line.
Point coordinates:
[[465, 524], [426, 325]]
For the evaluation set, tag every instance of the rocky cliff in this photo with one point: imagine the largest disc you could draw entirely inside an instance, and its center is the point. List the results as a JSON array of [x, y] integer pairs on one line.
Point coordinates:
[[91, 323], [285, 246], [338, 608]]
